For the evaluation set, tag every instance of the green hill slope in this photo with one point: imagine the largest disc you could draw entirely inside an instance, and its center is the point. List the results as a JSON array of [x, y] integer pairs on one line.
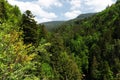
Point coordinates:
[[85, 48], [96, 41], [82, 16], [50, 26]]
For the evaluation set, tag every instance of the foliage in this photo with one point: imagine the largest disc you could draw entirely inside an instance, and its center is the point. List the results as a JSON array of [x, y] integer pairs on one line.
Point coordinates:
[[95, 43], [14, 58], [82, 49], [29, 27]]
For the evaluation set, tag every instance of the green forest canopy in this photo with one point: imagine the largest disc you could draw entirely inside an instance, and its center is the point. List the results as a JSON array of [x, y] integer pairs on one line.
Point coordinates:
[[87, 49]]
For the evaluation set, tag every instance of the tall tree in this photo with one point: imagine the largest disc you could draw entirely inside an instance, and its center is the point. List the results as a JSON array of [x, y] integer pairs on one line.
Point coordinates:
[[29, 27]]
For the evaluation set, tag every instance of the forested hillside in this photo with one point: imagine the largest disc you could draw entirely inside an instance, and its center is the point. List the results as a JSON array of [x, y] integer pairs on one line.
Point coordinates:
[[95, 44], [86, 49], [53, 25]]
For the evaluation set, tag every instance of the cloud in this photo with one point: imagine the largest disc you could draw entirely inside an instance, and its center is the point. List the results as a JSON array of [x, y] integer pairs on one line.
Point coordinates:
[[79, 6], [75, 4], [72, 14], [49, 3], [74, 10], [36, 9], [43, 19], [98, 5]]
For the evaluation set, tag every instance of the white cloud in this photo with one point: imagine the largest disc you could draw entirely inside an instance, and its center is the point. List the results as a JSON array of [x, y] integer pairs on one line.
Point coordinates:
[[98, 5], [78, 6], [72, 14], [35, 9], [49, 3], [43, 19], [74, 10], [75, 4]]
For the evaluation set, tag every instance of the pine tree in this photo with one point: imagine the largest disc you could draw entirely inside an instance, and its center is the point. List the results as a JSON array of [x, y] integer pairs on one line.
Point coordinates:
[[29, 27], [43, 31]]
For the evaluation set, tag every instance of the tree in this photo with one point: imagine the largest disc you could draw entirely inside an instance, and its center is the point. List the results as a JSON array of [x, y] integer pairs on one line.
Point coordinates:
[[29, 27], [107, 74], [94, 58], [68, 68], [3, 14], [118, 1], [14, 58], [43, 31], [95, 73], [55, 49]]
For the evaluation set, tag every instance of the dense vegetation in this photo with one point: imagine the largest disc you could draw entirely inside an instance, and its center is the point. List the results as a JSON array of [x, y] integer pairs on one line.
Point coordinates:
[[87, 49]]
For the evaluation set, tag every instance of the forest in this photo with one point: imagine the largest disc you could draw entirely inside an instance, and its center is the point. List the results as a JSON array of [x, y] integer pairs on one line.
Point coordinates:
[[84, 49]]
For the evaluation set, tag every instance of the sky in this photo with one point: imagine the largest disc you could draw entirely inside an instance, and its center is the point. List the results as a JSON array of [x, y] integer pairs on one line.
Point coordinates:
[[57, 10]]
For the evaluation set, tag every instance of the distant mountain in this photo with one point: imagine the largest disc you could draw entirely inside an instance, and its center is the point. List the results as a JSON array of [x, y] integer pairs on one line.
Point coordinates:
[[78, 19], [52, 25], [82, 16], [55, 24]]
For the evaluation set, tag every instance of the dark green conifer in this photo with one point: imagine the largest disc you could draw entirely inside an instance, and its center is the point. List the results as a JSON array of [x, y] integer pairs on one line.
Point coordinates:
[[29, 27]]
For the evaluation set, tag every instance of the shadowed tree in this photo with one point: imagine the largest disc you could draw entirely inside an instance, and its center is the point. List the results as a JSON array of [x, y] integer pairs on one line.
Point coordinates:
[[30, 28]]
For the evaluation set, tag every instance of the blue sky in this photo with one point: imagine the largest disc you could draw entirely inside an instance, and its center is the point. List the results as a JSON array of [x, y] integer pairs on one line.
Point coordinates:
[[54, 10]]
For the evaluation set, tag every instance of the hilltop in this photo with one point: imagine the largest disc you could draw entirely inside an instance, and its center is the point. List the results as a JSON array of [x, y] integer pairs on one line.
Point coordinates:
[[52, 25]]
